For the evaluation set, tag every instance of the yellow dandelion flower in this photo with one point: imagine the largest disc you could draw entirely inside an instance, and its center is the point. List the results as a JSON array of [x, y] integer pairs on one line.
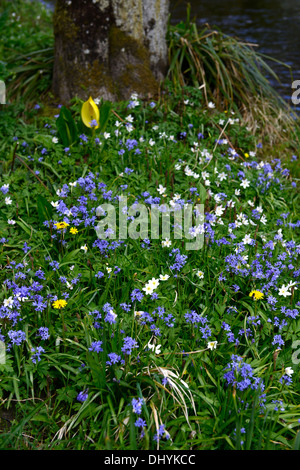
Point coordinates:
[[256, 295], [246, 155], [59, 304], [61, 225], [73, 230]]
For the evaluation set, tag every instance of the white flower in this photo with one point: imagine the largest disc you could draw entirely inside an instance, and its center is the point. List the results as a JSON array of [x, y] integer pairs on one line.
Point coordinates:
[[161, 189], [211, 105], [8, 302], [8, 201], [188, 171], [84, 248], [237, 192], [247, 240], [177, 166], [219, 211], [55, 140], [284, 291], [134, 96], [113, 314], [291, 284], [153, 283], [21, 299], [11, 222], [109, 270], [164, 277], [151, 142], [212, 345], [245, 183], [106, 135], [129, 127], [138, 313], [263, 219], [198, 230], [166, 242], [289, 371], [148, 289], [129, 118], [222, 176], [200, 274], [162, 135]]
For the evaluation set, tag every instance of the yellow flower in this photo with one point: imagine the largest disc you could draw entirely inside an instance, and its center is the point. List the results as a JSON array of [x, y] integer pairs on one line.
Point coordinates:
[[246, 155], [59, 304], [73, 230], [256, 294], [61, 225], [90, 113]]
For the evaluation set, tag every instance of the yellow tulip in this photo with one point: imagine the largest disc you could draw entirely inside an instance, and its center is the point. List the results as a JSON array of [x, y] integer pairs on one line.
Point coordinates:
[[90, 114]]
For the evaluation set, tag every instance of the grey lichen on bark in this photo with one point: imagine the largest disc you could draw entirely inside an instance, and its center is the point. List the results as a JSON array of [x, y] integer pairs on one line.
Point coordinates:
[[109, 48]]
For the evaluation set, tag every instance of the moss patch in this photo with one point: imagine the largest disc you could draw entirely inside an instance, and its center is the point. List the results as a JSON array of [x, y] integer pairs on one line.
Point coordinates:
[[63, 24], [130, 65]]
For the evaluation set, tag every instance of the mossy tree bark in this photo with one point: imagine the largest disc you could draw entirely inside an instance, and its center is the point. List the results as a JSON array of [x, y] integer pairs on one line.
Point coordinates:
[[109, 48]]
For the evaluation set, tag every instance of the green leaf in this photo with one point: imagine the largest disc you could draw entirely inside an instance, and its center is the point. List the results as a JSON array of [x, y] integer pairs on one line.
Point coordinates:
[[132, 433], [66, 127], [296, 444], [202, 193], [44, 209], [104, 115]]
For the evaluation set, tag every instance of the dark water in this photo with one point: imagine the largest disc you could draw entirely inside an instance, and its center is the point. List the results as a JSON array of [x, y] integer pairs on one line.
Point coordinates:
[[271, 24]]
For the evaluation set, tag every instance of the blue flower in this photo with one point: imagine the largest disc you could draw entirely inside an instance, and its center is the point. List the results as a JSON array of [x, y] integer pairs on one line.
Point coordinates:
[[82, 396], [137, 405], [96, 346]]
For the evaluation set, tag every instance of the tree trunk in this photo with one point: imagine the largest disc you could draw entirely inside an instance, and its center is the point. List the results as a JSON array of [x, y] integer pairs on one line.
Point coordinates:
[[109, 48]]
